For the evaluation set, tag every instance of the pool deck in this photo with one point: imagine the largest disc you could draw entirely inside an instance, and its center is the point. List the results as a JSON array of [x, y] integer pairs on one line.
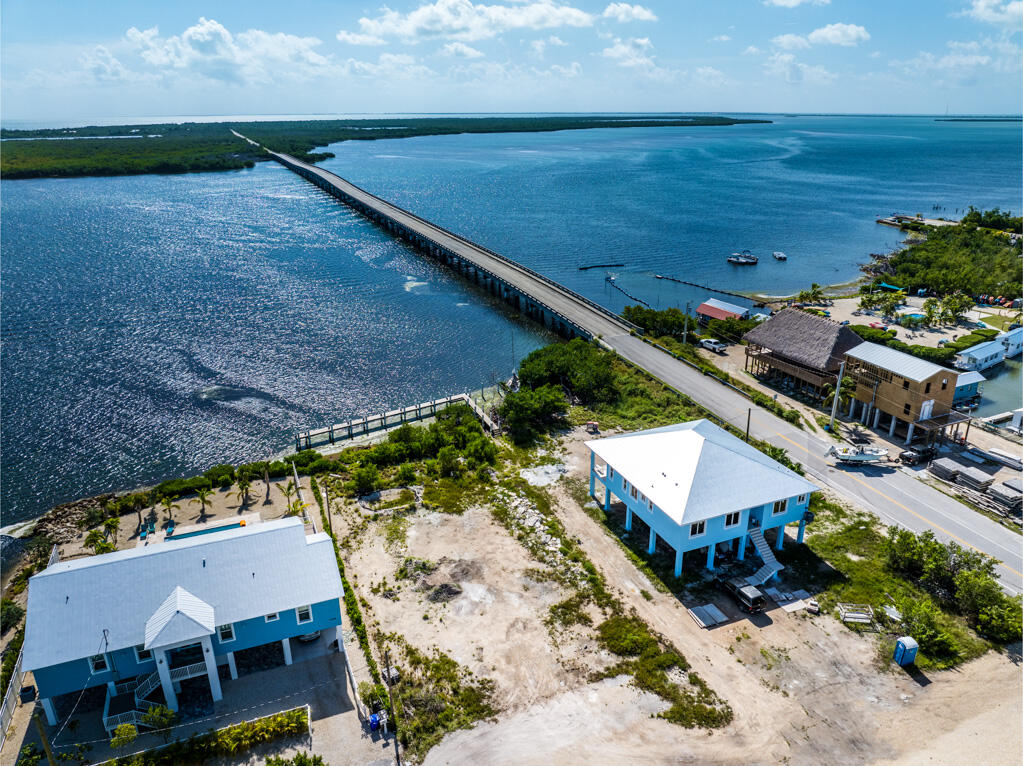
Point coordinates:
[[160, 535]]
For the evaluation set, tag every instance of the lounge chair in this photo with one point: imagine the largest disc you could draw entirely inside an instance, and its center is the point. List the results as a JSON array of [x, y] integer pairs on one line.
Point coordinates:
[[143, 532], [170, 529]]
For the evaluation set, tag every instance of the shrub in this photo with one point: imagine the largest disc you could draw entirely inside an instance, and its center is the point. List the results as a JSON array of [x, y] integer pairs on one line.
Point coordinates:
[[365, 479], [406, 474], [222, 475], [278, 468], [529, 413], [10, 615], [577, 365], [179, 487], [299, 759], [626, 636]]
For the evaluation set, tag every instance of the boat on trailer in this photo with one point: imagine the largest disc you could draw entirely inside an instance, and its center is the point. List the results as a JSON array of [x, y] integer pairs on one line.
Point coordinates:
[[745, 258], [856, 455]]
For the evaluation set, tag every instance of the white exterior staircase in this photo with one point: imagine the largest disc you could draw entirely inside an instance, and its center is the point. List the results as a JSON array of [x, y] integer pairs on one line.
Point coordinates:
[[771, 565], [139, 689]]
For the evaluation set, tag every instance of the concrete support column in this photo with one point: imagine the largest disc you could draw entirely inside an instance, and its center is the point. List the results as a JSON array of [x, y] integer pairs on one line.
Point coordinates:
[[232, 666], [49, 710], [852, 406], [111, 688], [607, 498], [593, 475], [781, 538], [710, 556], [653, 542], [891, 427], [211, 669], [163, 668], [286, 645], [877, 418], [867, 408], [742, 547], [909, 435], [678, 563], [628, 519], [802, 529]]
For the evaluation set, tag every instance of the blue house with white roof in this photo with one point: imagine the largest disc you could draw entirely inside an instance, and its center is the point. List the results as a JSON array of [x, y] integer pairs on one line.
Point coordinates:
[[699, 488], [142, 621]]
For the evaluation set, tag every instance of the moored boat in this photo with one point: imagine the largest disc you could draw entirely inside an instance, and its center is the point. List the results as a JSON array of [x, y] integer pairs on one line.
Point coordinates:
[[780, 256], [745, 258]]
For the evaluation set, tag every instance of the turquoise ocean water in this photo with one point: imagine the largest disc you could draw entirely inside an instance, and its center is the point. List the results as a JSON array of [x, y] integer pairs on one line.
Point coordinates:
[[155, 325]]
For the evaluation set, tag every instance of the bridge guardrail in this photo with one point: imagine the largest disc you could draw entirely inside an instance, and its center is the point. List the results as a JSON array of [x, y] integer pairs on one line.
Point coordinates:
[[287, 158]]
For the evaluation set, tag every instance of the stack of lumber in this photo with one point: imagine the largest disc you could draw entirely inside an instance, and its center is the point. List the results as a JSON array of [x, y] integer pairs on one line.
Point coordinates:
[[945, 469], [1010, 498], [974, 478]]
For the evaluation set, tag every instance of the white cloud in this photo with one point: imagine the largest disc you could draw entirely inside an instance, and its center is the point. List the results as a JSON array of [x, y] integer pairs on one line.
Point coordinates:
[[396, 66], [790, 42], [572, 70], [103, 65], [354, 38], [461, 49], [209, 50], [626, 12], [539, 46], [635, 53], [965, 63], [1004, 14], [708, 75], [785, 65], [839, 34], [720, 39], [751, 51], [794, 3], [465, 20]]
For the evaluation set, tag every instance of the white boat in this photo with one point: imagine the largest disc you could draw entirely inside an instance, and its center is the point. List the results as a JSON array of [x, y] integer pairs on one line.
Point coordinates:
[[859, 454], [745, 258], [779, 255]]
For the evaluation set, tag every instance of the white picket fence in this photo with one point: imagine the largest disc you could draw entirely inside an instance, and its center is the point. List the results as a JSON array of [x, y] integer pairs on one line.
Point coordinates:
[[10, 700]]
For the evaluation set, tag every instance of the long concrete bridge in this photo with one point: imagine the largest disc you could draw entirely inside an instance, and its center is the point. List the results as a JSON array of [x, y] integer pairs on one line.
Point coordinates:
[[893, 494], [538, 297]]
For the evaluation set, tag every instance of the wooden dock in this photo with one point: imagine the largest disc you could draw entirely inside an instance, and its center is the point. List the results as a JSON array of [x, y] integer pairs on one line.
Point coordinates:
[[351, 429]]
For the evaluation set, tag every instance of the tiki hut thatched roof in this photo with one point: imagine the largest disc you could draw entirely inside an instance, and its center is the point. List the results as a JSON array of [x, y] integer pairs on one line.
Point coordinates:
[[809, 340]]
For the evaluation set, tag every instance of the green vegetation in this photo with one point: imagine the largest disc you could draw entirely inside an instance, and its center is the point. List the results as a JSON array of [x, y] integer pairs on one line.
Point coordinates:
[[648, 659], [856, 568], [160, 718], [231, 742], [10, 657], [299, 759], [434, 696], [351, 600], [993, 219], [200, 147], [943, 355], [529, 413], [960, 259], [10, 615], [124, 735]]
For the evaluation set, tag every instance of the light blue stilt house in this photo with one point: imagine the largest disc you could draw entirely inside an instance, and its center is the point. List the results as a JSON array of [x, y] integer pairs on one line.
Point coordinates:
[[142, 622], [700, 489]]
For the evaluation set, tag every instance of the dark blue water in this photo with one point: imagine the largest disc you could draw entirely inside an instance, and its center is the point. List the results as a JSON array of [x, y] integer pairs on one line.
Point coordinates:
[[153, 326]]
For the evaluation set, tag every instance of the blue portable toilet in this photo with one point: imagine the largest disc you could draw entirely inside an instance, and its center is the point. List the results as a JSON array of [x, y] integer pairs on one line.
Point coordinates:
[[905, 650], [374, 722]]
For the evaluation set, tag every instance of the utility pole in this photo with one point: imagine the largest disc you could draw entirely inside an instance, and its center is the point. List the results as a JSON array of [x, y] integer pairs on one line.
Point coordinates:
[[749, 413], [685, 331], [37, 716], [390, 698], [834, 404]]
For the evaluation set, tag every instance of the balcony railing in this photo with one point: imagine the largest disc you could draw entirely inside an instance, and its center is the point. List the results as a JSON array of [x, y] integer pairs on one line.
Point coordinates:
[[188, 671]]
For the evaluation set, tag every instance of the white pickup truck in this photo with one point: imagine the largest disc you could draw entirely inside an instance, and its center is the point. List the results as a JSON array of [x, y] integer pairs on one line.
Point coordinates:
[[713, 345]]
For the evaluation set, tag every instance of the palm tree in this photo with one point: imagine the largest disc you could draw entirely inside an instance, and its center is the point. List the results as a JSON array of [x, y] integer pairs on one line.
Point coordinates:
[[202, 496], [110, 526], [816, 292], [288, 490], [932, 311], [96, 541], [169, 506], [243, 491], [296, 508]]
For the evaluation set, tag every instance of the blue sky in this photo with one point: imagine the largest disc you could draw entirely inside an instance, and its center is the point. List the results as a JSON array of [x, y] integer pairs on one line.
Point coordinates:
[[76, 61]]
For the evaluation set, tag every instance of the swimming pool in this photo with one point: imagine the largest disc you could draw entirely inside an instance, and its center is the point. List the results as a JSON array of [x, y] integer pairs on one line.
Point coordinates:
[[208, 531]]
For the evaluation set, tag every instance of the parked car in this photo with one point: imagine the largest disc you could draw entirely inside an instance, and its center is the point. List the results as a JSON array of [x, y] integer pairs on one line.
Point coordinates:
[[713, 345], [308, 638], [917, 456], [749, 598]]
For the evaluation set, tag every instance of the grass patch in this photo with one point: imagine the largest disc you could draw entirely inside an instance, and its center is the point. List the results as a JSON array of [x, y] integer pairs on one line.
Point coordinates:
[[405, 497], [571, 611], [455, 495], [435, 696], [649, 659], [395, 531], [845, 560]]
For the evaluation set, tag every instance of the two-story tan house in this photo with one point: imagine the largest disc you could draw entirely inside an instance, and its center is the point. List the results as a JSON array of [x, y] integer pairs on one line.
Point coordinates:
[[905, 388]]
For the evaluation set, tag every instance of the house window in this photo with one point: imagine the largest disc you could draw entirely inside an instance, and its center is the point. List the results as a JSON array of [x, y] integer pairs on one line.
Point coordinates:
[[625, 484], [927, 388], [732, 519], [304, 614], [697, 529], [632, 491], [225, 633], [905, 408], [610, 472], [651, 504], [98, 663], [272, 617], [780, 506], [905, 384], [944, 383], [802, 499], [142, 654]]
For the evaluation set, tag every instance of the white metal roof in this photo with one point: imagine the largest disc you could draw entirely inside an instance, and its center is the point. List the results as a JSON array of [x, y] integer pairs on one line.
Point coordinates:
[[967, 378], [181, 617], [102, 603], [696, 470], [906, 365], [982, 349], [726, 306]]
